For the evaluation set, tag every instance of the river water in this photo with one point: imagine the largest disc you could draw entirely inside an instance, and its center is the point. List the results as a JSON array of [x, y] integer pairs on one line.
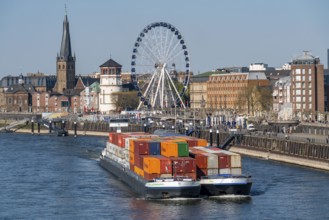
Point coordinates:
[[49, 177]]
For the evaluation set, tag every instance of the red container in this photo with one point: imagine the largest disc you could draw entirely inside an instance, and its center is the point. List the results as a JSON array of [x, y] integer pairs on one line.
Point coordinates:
[[224, 161], [183, 164], [192, 142], [141, 147], [113, 138], [150, 176], [120, 140], [139, 159], [201, 161]]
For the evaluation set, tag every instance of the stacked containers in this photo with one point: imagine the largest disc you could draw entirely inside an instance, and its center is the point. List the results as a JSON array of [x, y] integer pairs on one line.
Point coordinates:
[[212, 161]]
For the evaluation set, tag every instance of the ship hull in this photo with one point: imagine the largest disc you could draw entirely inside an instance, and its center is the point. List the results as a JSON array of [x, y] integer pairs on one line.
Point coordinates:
[[149, 189], [234, 185]]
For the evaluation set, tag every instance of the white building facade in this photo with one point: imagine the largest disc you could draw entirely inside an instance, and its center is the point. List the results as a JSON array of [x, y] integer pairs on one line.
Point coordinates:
[[110, 82]]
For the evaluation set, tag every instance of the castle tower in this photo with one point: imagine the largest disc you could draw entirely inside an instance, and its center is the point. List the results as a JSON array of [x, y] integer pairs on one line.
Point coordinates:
[[110, 82], [65, 62]]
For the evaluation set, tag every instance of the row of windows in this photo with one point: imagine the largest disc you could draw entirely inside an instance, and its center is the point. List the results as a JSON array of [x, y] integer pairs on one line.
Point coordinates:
[[301, 92], [301, 85], [301, 78], [69, 67], [227, 78], [303, 106], [301, 71], [302, 99]]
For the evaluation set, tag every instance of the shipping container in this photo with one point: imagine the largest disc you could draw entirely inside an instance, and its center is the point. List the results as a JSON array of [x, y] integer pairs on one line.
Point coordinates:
[[165, 164], [192, 142], [206, 172], [183, 164], [236, 171], [169, 149], [224, 161], [139, 171], [151, 176], [225, 171], [151, 165], [141, 147], [212, 161], [202, 143], [182, 149], [154, 148], [131, 158]]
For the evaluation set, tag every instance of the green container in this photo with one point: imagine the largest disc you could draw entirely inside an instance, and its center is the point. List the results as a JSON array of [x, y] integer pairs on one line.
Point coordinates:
[[182, 149]]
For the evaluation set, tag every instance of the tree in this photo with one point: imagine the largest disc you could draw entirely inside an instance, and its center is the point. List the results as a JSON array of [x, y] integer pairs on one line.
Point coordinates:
[[125, 100], [254, 98]]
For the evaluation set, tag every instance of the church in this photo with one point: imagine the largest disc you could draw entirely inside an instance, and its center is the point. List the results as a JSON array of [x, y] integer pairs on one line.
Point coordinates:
[[64, 92]]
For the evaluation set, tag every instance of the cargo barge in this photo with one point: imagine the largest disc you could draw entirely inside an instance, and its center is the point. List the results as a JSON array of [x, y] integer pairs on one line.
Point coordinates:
[[130, 157], [159, 167]]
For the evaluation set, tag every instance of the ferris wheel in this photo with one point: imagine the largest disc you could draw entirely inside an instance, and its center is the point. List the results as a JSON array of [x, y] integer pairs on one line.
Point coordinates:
[[160, 68]]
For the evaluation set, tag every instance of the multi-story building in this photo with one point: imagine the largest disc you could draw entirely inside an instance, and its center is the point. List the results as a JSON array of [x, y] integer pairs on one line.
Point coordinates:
[[307, 86], [110, 82], [89, 98], [226, 90], [282, 98], [198, 90]]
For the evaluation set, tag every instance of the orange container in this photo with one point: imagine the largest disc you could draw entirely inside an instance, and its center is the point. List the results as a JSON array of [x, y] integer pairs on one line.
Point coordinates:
[[131, 158], [151, 165], [169, 149], [202, 143], [139, 171]]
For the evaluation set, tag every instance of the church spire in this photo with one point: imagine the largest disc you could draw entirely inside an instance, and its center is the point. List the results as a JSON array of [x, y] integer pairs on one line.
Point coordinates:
[[66, 52]]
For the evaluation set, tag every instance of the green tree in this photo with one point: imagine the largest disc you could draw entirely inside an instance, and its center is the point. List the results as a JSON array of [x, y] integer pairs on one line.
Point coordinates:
[[125, 100]]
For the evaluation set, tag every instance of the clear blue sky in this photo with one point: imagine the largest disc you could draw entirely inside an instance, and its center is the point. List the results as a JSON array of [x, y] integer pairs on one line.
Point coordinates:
[[218, 33]]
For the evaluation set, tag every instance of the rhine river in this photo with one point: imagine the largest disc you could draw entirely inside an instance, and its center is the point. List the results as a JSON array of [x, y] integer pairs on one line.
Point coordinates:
[[49, 177]]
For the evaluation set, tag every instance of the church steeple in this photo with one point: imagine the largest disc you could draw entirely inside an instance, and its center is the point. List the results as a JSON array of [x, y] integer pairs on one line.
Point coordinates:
[[65, 61], [66, 51]]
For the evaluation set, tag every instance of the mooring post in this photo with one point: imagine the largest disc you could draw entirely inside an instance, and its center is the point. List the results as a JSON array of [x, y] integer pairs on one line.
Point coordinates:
[[50, 127], [38, 128], [75, 129], [210, 131], [186, 131], [217, 138], [144, 127], [32, 128]]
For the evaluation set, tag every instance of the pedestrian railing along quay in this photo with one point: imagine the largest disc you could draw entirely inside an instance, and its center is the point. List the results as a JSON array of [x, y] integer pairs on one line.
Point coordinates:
[[287, 147]]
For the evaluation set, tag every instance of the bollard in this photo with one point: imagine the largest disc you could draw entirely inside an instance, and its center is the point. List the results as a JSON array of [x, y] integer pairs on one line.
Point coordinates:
[[186, 131], [210, 131], [217, 138], [63, 125], [50, 127], [75, 129], [144, 127], [199, 134], [32, 128], [38, 128]]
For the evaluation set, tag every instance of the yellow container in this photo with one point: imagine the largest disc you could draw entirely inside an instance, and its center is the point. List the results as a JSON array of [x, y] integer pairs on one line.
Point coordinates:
[[131, 158], [139, 171], [169, 149], [151, 165]]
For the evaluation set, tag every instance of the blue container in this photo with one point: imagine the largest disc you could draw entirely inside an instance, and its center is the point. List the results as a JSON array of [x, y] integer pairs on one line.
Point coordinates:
[[154, 148]]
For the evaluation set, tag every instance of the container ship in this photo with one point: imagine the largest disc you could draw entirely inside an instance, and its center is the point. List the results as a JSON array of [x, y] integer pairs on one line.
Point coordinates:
[[160, 166]]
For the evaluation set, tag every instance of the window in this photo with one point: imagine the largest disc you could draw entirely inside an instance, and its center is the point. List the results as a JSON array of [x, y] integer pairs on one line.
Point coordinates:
[[310, 78], [297, 71], [310, 99], [303, 78], [297, 78], [298, 85], [310, 92], [303, 71]]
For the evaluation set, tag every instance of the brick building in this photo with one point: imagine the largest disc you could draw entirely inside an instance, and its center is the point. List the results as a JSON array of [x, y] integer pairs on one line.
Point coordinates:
[[307, 86]]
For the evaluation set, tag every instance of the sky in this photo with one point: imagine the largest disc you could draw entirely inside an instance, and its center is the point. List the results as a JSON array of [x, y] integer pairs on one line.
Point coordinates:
[[217, 33]]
